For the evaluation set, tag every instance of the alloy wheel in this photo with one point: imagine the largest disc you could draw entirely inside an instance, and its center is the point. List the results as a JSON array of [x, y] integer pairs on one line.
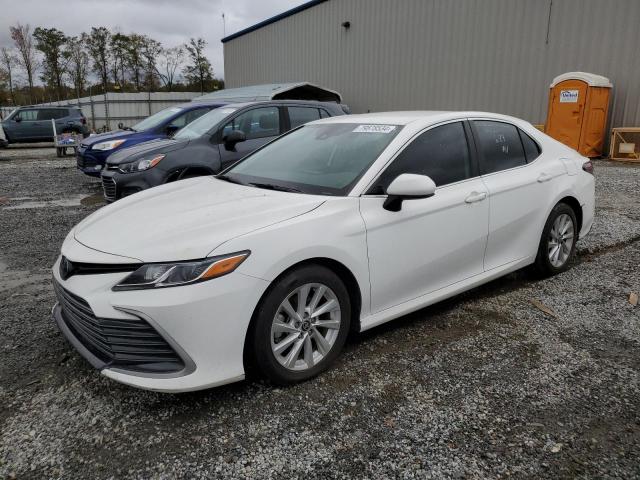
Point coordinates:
[[305, 327], [561, 238]]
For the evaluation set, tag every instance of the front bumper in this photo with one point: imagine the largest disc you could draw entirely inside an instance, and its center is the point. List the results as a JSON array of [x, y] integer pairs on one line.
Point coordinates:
[[116, 185], [91, 162], [205, 323]]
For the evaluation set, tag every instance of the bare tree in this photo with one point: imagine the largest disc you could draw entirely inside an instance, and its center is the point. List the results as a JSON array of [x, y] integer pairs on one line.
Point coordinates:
[[78, 64], [98, 43], [168, 64], [27, 59], [8, 61], [198, 71], [118, 49], [135, 58]]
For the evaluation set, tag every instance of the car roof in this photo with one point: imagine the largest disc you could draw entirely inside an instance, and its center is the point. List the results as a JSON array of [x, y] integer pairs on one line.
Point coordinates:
[[414, 116], [239, 105]]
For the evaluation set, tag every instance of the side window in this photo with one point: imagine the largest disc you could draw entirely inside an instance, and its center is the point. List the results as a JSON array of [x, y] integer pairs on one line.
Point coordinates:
[[180, 121], [256, 123], [47, 114], [499, 146], [28, 115], [441, 153], [194, 114], [301, 115], [324, 113], [531, 148]]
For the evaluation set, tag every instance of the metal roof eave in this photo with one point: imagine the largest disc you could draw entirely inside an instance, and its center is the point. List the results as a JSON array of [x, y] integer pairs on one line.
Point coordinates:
[[273, 19]]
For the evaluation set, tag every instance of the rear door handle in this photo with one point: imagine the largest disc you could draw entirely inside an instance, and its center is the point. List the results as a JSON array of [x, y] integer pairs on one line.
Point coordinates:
[[476, 197], [544, 177]]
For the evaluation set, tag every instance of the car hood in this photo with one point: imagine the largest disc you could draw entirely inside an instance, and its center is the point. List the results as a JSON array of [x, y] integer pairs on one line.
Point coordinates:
[[141, 150], [105, 137], [188, 219]]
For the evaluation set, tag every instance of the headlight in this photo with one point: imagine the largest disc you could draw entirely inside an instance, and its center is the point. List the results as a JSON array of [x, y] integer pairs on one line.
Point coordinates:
[[107, 145], [159, 275], [141, 165]]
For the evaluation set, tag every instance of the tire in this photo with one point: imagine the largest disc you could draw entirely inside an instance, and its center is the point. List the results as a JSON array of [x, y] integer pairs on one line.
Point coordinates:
[[556, 248], [273, 326]]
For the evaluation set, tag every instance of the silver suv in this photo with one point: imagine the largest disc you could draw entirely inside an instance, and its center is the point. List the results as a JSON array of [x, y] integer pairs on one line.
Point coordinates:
[[33, 124]]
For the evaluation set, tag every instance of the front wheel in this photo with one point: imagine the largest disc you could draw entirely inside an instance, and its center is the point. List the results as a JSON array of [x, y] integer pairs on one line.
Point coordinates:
[[301, 326], [558, 241]]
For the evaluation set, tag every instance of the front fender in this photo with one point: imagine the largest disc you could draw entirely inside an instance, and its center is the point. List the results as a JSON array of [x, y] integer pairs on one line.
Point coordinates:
[[335, 231]]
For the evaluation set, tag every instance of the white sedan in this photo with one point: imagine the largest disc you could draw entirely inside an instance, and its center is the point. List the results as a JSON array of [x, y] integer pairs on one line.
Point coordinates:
[[340, 225]]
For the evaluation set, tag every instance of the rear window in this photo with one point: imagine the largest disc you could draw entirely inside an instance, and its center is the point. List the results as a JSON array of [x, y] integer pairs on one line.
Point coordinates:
[[531, 148], [301, 115], [51, 113], [499, 146]]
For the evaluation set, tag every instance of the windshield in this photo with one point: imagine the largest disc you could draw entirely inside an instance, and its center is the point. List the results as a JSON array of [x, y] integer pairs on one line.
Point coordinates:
[[325, 159], [156, 119], [206, 122]]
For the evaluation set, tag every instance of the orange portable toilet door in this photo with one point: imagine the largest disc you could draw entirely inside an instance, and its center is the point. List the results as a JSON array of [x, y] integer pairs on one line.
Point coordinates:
[[566, 112], [595, 122]]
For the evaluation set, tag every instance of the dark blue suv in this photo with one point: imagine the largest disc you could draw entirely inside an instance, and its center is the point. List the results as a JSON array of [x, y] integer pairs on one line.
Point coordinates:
[[94, 150]]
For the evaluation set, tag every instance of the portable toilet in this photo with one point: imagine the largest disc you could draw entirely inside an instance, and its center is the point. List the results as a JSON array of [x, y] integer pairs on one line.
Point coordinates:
[[577, 113]]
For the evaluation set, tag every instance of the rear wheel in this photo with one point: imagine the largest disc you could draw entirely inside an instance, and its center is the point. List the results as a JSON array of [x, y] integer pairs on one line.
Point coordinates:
[[558, 241], [301, 325]]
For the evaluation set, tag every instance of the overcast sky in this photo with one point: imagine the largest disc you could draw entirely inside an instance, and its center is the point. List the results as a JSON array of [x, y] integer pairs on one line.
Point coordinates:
[[171, 22]]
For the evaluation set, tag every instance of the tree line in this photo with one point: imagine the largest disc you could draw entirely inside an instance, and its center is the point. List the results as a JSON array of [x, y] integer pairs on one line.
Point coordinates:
[[96, 62]]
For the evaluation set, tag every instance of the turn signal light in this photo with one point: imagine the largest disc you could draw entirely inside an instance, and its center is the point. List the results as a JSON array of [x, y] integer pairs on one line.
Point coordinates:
[[224, 266]]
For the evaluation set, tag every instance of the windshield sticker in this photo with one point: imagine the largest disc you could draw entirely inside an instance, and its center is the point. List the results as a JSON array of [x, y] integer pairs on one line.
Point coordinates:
[[374, 129]]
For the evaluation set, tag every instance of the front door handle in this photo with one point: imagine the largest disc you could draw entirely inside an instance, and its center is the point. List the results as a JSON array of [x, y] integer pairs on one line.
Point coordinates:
[[544, 177], [476, 197]]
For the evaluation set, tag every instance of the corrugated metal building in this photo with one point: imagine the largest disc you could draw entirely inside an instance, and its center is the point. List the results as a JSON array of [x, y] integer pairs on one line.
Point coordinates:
[[492, 55]]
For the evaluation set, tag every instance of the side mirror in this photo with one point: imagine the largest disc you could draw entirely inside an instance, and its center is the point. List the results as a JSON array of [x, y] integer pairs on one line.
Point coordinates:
[[17, 119], [406, 187], [171, 130], [230, 140]]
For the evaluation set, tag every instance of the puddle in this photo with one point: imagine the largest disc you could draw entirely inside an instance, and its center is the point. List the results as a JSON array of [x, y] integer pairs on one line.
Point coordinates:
[[29, 202], [91, 200]]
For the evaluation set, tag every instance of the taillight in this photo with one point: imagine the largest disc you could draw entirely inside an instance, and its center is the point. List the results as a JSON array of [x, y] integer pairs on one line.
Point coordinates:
[[83, 121]]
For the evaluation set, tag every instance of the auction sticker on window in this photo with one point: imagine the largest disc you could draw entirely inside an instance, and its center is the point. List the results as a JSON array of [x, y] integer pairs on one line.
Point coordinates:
[[374, 129]]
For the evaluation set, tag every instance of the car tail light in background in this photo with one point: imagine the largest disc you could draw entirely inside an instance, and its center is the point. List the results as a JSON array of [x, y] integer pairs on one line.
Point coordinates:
[[83, 121], [588, 167]]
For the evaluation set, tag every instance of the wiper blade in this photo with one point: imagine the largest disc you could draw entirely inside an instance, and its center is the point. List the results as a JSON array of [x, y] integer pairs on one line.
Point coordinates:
[[229, 179], [270, 186], [130, 129]]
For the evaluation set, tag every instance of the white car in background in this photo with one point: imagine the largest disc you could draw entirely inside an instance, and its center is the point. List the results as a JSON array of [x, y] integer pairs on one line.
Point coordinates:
[[342, 224]]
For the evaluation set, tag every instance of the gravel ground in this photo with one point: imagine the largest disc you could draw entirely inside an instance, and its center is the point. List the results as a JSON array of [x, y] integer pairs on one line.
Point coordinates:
[[521, 377]]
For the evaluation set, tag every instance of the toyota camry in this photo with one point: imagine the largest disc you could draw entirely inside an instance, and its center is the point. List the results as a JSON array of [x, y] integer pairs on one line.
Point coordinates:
[[339, 225]]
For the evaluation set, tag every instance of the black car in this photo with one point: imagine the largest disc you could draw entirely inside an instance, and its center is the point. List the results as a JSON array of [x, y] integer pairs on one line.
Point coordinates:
[[208, 145]]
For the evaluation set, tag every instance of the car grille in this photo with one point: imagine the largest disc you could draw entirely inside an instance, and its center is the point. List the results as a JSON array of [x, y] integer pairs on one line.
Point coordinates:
[[85, 160], [109, 188], [130, 344]]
